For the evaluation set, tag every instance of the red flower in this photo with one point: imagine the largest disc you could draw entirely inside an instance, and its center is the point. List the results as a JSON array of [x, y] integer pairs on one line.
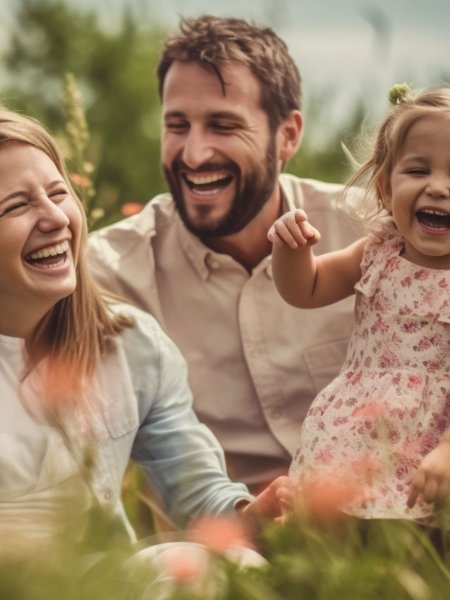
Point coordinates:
[[184, 566], [219, 533], [131, 208], [324, 500], [369, 411], [81, 180]]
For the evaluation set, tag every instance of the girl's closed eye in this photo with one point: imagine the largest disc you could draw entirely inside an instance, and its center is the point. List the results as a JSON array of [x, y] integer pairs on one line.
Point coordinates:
[[417, 171]]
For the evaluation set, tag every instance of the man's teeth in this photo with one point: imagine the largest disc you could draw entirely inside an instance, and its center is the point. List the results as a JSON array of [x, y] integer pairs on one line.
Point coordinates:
[[50, 251], [204, 179]]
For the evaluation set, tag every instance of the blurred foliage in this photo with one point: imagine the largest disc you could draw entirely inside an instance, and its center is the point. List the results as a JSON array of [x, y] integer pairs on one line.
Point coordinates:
[[336, 559], [114, 70]]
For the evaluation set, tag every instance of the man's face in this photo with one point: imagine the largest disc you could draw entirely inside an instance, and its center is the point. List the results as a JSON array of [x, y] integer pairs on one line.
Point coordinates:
[[218, 154]]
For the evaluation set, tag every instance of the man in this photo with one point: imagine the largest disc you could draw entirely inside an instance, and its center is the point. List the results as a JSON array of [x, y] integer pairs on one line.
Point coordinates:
[[199, 259]]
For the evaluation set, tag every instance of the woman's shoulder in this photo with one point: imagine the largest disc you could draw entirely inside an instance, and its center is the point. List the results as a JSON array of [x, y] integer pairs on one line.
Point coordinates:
[[143, 326]]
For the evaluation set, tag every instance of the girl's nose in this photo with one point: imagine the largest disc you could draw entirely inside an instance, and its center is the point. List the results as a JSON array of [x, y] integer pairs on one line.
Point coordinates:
[[439, 186]]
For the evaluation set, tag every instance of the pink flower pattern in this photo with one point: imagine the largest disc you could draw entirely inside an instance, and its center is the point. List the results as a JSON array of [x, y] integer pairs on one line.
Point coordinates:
[[396, 406]]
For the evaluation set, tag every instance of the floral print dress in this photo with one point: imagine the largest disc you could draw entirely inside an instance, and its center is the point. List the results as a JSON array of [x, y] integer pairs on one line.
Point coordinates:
[[390, 404]]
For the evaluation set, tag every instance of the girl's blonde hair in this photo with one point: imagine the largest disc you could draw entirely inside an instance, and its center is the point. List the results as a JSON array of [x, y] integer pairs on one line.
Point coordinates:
[[408, 108], [78, 328]]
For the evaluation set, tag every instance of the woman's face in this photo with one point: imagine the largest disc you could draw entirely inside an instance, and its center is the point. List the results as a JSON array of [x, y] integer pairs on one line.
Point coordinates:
[[40, 232]]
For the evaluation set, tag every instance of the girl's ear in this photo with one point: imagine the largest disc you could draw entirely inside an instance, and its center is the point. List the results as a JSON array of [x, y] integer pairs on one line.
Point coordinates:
[[290, 133]]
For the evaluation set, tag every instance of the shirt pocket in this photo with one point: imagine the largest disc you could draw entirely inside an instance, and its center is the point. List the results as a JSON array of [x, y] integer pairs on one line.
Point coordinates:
[[325, 361], [118, 402]]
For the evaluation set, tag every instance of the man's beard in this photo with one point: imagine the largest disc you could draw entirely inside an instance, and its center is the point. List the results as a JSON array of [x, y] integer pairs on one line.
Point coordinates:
[[253, 192]]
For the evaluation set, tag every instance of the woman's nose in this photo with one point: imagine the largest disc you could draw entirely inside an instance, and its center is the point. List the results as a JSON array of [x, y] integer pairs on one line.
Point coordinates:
[[52, 216]]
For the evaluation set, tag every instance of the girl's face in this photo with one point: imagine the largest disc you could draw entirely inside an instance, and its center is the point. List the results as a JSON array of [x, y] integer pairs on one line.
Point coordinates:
[[419, 198], [40, 231]]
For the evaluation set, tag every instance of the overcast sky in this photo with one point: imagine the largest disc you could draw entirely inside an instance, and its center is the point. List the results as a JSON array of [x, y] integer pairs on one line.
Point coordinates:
[[344, 48], [356, 48]]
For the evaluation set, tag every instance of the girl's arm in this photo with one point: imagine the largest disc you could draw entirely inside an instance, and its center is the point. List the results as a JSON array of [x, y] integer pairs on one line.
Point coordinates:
[[303, 279]]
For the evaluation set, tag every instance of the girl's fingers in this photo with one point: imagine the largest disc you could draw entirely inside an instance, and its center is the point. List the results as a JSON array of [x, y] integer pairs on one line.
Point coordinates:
[[284, 233]]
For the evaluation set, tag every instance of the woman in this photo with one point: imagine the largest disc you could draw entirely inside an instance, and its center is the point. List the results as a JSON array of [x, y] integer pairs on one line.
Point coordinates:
[[86, 383]]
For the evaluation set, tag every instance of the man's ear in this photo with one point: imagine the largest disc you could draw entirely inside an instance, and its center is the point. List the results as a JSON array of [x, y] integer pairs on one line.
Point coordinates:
[[289, 134]]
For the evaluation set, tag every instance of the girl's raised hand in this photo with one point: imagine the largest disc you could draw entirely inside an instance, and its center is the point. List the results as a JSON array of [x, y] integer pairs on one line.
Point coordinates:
[[292, 229]]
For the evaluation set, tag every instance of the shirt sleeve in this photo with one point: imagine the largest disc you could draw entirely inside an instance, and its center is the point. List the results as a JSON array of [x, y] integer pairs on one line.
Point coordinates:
[[181, 456]]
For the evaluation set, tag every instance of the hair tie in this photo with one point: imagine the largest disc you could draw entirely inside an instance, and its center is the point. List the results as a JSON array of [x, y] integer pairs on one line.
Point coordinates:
[[398, 93]]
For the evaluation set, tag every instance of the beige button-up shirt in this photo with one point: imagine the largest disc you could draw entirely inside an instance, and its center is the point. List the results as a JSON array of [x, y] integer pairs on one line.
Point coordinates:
[[255, 363]]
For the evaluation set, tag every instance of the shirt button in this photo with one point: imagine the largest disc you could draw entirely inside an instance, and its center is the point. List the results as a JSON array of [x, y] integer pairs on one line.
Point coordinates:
[[276, 414], [107, 495]]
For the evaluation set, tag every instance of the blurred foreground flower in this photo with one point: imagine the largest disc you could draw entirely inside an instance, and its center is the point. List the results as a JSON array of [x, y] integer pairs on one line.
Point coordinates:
[[219, 534], [131, 208], [185, 566], [323, 501]]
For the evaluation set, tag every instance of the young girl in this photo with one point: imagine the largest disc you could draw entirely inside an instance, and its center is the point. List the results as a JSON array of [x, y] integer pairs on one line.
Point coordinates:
[[382, 424], [85, 383]]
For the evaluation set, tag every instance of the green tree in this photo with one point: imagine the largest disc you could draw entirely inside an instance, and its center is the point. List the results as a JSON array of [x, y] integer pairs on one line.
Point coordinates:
[[114, 71]]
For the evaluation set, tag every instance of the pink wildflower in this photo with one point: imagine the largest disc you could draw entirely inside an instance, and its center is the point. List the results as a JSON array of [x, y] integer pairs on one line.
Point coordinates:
[[80, 180], [369, 411], [324, 500], [219, 533], [183, 566], [131, 208]]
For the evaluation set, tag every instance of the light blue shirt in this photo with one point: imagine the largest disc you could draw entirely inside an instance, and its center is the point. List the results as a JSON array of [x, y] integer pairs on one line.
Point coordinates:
[[148, 416]]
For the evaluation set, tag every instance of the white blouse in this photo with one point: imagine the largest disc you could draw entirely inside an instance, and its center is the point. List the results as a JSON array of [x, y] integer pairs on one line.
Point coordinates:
[[39, 477]]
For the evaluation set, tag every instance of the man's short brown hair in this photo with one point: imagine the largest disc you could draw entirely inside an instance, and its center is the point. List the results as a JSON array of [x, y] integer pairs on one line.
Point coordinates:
[[214, 42]]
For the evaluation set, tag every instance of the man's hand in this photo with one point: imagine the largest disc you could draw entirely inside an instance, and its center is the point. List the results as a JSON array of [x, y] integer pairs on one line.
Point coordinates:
[[432, 480], [292, 229]]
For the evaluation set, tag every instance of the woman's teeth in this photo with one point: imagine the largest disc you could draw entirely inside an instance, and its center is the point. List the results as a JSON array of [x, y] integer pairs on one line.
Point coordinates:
[[49, 251]]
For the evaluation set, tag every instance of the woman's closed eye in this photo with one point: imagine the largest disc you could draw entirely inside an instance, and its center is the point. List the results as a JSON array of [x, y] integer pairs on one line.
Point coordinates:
[[13, 206]]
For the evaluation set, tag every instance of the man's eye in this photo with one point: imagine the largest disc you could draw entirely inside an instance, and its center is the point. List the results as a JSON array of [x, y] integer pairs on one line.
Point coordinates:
[[176, 127], [224, 127]]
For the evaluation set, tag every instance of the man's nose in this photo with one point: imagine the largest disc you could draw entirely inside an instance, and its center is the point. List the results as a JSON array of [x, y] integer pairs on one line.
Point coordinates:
[[197, 149]]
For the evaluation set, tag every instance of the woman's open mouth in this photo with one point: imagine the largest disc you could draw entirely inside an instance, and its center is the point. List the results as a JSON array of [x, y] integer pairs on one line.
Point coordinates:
[[49, 257]]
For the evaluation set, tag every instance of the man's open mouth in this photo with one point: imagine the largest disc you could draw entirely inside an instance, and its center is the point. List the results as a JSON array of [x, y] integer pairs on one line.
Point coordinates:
[[207, 182]]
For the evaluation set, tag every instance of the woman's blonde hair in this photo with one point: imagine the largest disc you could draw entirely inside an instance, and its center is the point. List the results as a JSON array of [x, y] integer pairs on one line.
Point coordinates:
[[78, 328], [407, 108]]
